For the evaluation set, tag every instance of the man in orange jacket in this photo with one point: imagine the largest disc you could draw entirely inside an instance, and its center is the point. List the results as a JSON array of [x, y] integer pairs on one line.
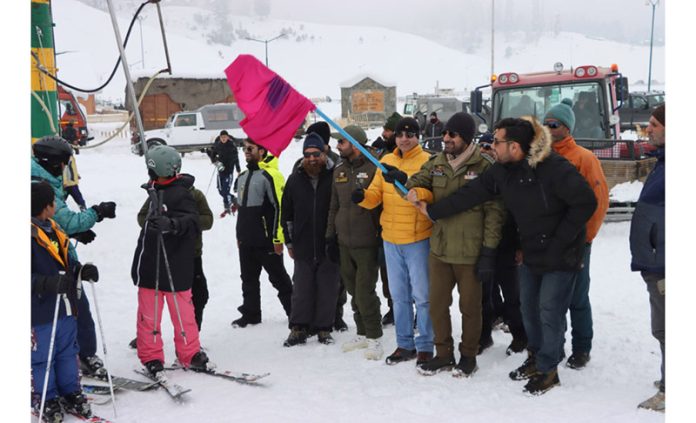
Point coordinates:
[[560, 120]]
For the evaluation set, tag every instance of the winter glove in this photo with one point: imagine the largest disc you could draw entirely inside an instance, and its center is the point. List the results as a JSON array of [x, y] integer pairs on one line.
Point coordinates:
[[332, 251], [220, 167], [394, 174], [105, 210], [89, 272], [163, 224], [485, 267], [357, 196], [84, 237], [57, 284]]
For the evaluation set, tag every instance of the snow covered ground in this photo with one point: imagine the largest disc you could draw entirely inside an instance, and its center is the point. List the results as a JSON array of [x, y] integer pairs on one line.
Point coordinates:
[[321, 383]]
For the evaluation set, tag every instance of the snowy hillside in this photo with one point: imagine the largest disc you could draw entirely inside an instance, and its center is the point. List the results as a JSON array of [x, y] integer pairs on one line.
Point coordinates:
[[317, 383], [316, 58]]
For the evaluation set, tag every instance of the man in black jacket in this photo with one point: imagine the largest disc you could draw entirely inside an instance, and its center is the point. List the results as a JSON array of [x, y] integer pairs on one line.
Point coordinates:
[[551, 202], [305, 210], [163, 265], [226, 160], [259, 235]]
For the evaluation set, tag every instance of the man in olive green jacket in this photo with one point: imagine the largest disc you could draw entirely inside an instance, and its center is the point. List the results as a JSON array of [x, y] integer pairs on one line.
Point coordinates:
[[353, 234], [462, 247]]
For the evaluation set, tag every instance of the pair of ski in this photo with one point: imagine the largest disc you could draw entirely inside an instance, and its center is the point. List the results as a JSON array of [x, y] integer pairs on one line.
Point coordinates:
[[174, 390], [93, 419]]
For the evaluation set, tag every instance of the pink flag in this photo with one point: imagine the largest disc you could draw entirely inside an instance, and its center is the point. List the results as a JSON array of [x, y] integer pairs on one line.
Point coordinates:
[[273, 109]]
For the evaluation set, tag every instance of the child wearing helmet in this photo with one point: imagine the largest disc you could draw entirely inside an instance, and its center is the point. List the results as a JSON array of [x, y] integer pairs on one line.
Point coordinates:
[[163, 265]]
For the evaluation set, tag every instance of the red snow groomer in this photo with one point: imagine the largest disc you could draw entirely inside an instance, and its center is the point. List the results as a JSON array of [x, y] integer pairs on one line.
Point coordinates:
[[597, 94]]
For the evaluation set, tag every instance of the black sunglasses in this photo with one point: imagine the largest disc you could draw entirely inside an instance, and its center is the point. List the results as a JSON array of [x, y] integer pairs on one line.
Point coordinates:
[[452, 134], [407, 134], [312, 153], [553, 125], [249, 148]]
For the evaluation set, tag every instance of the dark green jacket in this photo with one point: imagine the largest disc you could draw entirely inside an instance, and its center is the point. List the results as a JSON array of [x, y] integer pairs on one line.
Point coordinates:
[[355, 226], [205, 220], [458, 239]]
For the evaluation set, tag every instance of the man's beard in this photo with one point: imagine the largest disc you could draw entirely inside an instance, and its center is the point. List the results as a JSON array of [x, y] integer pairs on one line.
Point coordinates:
[[313, 168]]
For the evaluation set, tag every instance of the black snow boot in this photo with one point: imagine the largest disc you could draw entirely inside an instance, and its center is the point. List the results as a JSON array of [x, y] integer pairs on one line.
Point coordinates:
[[52, 412], [76, 403], [297, 336], [154, 367], [466, 367]]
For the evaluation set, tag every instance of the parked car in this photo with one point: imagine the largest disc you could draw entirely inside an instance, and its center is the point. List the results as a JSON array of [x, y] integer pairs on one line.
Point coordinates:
[[639, 107], [195, 130]]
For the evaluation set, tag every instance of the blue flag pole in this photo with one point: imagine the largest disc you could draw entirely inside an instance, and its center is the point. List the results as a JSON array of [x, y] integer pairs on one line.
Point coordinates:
[[360, 147]]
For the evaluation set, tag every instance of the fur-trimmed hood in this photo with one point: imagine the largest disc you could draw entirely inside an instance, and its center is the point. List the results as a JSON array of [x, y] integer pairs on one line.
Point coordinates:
[[540, 147]]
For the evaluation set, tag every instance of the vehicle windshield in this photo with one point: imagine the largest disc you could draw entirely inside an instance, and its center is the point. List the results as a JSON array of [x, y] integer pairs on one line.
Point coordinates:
[[655, 100], [536, 101], [169, 122]]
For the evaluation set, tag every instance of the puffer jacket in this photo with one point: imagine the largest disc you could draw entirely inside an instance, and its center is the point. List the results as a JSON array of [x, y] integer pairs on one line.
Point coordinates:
[[647, 237], [401, 222], [591, 169], [178, 203], [259, 192], [71, 222], [458, 239], [47, 259], [305, 209], [550, 201], [205, 216], [355, 226]]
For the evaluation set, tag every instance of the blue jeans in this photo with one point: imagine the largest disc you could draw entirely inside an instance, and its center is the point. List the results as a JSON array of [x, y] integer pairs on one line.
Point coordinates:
[[407, 268], [580, 308], [544, 300]]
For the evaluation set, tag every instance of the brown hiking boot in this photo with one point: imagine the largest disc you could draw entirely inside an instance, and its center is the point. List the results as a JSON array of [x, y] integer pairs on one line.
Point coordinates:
[[540, 383], [526, 370]]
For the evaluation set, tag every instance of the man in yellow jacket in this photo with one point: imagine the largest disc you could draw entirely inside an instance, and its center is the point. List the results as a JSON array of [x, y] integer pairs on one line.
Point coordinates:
[[560, 119], [406, 235]]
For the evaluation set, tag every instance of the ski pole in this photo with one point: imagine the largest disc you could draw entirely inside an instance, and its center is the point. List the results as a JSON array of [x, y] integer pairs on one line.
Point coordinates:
[[171, 286], [155, 199], [50, 352], [101, 333], [154, 211], [211, 181]]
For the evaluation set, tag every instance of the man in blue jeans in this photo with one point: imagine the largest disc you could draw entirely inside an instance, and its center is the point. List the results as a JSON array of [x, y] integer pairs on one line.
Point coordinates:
[[406, 235], [551, 202]]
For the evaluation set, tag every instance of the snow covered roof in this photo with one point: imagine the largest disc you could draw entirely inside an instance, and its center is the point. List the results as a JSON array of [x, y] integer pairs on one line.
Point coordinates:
[[147, 73], [349, 83]]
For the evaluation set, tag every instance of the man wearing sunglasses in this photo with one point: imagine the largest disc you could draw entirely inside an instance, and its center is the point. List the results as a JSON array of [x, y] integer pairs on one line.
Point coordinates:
[[551, 202], [560, 119], [305, 210], [462, 247], [259, 234], [405, 234]]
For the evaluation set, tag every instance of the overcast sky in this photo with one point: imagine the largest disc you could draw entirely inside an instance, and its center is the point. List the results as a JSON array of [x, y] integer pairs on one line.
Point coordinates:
[[622, 20]]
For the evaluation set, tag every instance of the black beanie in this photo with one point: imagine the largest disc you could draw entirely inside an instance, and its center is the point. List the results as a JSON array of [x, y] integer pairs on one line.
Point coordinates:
[[42, 195], [408, 124], [322, 129], [463, 124], [659, 114]]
